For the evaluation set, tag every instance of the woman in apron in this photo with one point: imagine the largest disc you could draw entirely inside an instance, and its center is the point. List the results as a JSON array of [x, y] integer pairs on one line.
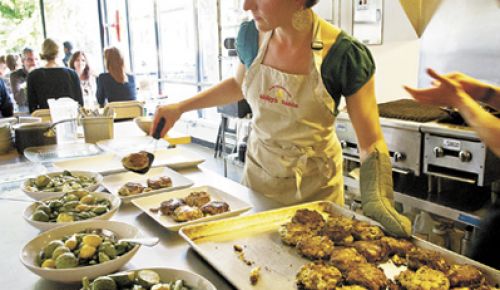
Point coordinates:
[[295, 66]]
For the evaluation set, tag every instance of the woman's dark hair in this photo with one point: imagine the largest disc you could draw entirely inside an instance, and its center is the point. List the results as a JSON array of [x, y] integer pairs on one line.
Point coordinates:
[[311, 3], [86, 70]]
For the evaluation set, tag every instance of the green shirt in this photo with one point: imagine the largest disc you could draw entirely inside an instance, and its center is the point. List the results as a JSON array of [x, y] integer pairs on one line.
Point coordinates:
[[347, 66]]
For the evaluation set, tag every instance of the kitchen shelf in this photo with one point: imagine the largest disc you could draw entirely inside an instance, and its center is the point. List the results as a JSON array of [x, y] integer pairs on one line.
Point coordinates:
[[468, 218]]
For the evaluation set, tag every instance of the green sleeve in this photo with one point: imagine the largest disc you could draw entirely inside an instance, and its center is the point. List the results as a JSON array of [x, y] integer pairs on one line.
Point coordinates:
[[347, 67]]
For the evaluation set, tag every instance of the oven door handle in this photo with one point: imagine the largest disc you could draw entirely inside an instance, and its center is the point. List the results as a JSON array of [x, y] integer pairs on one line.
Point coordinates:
[[401, 171], [456, 178]]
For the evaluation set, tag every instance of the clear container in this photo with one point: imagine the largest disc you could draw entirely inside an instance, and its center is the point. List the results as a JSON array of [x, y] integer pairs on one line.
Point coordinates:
[[64, 109]]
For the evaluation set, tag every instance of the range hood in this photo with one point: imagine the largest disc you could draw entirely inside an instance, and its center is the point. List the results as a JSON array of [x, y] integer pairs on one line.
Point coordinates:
[[420, 12]]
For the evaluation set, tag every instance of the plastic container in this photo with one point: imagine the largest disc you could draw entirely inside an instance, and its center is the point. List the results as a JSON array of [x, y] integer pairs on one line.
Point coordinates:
[[63, 109], [97, 129]]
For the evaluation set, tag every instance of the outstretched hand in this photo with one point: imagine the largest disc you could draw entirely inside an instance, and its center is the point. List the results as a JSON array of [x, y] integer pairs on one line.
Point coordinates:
[[171, 113]]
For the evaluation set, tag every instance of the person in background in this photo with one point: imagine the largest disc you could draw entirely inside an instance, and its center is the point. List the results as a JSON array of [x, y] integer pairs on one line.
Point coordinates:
[[13, 62], [80, 64], [18, 78], [6, 106], [68, 51], [52, 81], [294, 69], [463, 92], [4, 70], [115, 85]]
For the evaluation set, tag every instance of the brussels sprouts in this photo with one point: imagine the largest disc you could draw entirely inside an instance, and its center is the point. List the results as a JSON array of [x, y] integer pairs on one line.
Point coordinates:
[[49, 249], [43, 207], [88, 199], [100, 209], [147, 278], [161, 287], [70, 197], [108, 249], [104, 283], [66, 260], [40, 216], [55, 204], [59, 251], [42, 181], [103, 257], [123, 279]]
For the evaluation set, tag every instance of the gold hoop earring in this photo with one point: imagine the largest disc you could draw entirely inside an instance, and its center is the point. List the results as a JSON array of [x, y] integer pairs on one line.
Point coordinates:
[[300, 20]]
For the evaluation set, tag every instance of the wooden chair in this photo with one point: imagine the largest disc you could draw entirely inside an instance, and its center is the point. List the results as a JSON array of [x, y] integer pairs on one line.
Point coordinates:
[[42, 113]]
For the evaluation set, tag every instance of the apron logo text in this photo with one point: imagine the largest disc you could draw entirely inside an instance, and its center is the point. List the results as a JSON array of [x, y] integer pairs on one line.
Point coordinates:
[[282, 96]]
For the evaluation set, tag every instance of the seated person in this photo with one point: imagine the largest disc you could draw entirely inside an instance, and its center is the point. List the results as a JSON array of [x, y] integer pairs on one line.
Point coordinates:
[[115, 85], [6, 106], [80, 64], [18, 78], [52, 81]]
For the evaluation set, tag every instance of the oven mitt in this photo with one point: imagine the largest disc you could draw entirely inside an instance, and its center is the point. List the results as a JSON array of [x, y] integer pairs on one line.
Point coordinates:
[[377, 195]]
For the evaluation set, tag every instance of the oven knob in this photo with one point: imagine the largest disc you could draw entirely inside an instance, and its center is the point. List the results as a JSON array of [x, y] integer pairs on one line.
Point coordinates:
[[438, 152], [398, 156], [343, 144], [465, 156]]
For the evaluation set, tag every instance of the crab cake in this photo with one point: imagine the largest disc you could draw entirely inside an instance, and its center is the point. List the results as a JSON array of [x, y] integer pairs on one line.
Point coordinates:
[[373, 251], [367, 275], [338, 229], [168, 207], [215, 207], [292, 233], [363, 231], [311, 218], [351, 287], [197, 198], [345, 257], [465, 276], [131, 188], [187, 213], [398, 247], [315, 247], [424, 279], [318, 276], [418, 257], [160, 182]]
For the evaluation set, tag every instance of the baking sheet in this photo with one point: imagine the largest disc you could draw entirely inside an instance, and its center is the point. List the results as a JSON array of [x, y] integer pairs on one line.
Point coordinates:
[[114, 182], [258, 235], [236, 206], [108, 163]]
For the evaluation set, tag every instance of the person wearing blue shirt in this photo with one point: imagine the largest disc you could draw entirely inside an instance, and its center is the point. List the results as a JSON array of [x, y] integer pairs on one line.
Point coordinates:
[[6, 106]]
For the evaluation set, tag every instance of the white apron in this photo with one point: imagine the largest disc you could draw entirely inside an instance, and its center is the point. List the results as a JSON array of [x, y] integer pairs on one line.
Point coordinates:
[[293, 152]]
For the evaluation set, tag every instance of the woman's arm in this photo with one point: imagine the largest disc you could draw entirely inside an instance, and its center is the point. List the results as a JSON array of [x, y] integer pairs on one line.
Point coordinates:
[[226, 92]]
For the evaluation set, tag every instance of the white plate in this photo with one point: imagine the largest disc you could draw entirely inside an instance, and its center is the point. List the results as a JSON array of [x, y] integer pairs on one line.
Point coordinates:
[[192, 280], [44, 226], [31, 250], [114, 182], [57, 152], [107, 163], [236, 206], [38, 195], [126, 145]]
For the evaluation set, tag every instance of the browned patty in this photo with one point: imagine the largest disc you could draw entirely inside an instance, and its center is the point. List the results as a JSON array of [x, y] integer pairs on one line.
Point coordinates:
[[346, 257], [465, 276], [197, 198], [398, 247], [338, 229], [161, 182], [367, 275], [363, 231], [131, 188], [418, 257], [168, 207], [315, 247], [215, 207], [318, 276], [424, 279], [139, 159], [373, 251], [186, 213], [311, 218], [292, 233]]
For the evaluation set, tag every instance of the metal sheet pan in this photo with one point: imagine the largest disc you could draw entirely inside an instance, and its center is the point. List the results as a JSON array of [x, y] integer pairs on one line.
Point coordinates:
[[258, 236]]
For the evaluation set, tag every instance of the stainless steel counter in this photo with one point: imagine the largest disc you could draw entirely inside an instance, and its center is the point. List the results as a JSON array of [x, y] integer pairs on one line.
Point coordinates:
[[172, 251]]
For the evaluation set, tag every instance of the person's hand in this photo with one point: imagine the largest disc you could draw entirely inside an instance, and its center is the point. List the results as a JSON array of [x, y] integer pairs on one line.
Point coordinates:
[[171, 113], [475, 88], [445, 92]]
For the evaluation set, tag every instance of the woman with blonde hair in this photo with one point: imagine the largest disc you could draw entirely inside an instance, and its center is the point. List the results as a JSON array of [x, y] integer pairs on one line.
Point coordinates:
[[79, 62], [52, 80], [115, 85]]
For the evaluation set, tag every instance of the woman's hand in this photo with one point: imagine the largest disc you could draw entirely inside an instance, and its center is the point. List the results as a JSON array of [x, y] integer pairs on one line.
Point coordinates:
[[446, 91], [171, 113], [475, 88]]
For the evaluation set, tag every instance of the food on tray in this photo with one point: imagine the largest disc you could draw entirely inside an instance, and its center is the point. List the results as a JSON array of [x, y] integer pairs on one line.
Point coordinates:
[[254, 275], [134, 280], [72, 206], [465, 276], [424, 279], [160, 182], [346, 257], [139, 162], [338, 229], [63, 182], [363, 231], [87, 248], [194, 206], [315, 247], [292, 233], [131, 188], [373, 251], [399, 260], [197, 199], [310, 218], [418, 257], [318, 275], [398, 247], [186, 213], [351, 287], [215, 207], [367, 275]]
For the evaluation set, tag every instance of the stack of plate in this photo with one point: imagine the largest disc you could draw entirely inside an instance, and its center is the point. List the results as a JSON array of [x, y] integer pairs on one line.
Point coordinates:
[[5, 138]]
